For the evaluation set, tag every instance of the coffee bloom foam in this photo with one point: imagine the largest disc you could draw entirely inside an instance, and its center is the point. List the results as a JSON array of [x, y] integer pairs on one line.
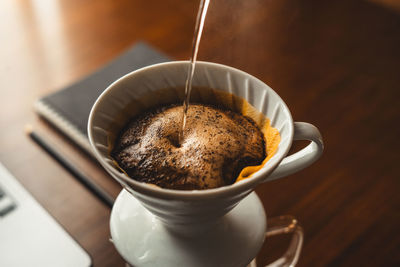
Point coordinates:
[[206, 96]]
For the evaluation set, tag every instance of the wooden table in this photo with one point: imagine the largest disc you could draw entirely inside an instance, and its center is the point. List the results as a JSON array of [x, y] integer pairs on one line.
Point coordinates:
[[335, 63]]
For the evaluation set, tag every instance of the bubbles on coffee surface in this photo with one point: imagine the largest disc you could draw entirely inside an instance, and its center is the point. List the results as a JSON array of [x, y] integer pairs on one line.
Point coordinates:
[[217, 145]]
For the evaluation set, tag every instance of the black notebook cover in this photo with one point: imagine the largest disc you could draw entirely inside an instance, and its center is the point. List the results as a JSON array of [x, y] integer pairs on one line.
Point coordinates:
[[69, 108]]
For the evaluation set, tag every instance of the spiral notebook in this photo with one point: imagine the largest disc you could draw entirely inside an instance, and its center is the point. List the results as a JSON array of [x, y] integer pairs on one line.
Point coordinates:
[[68, 109]]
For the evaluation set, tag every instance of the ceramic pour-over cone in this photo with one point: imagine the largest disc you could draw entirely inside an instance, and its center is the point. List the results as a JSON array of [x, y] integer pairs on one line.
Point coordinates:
[[191, 212]]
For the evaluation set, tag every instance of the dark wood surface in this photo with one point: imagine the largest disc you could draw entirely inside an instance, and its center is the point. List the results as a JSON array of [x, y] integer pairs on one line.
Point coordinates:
[[335, 63]]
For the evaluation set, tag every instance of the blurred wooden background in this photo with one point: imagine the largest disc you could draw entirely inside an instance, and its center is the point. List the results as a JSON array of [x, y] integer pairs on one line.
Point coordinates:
[[335, 63]]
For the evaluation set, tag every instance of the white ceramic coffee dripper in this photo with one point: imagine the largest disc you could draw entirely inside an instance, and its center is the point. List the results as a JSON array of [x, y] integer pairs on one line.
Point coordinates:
[[211, 227]]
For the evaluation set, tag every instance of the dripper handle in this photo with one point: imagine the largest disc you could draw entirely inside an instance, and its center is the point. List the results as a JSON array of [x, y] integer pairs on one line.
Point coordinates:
[[303, 158], [285, 225]]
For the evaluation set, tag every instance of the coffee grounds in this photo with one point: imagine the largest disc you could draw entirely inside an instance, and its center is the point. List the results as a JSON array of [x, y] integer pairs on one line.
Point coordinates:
[[217, 145]]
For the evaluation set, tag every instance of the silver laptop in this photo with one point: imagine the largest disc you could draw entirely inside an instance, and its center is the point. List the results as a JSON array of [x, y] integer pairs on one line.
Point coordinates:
[[29, 236]]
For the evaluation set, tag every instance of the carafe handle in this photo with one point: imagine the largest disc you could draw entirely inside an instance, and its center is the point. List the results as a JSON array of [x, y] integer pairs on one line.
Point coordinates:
[[285, 225]]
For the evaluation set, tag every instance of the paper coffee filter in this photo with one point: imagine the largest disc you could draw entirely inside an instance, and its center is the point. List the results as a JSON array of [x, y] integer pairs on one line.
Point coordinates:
[[198, 95], [240, 105], [271, 136]]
